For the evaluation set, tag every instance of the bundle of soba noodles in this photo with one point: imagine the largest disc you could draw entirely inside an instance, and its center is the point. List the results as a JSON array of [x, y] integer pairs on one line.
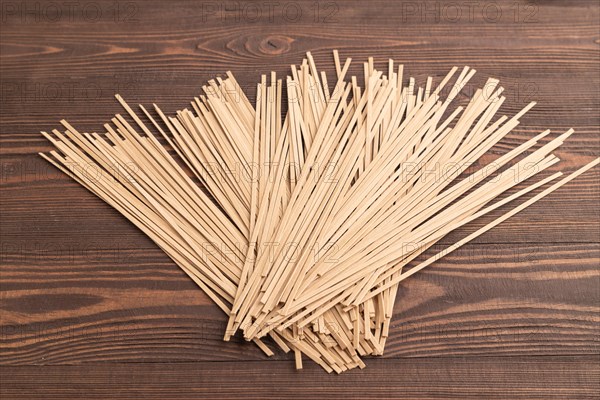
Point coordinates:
[[300, 227]]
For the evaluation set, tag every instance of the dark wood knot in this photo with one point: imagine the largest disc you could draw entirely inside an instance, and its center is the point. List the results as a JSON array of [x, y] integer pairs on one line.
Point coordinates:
[[275, 45]]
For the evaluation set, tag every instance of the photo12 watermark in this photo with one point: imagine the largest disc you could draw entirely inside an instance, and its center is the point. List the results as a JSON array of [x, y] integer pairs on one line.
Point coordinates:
[[270, 11], [468, 12], [26, 12]]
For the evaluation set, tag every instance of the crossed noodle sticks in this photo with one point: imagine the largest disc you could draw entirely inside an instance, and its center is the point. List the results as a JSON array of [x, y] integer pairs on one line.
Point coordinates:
[[303, 227]]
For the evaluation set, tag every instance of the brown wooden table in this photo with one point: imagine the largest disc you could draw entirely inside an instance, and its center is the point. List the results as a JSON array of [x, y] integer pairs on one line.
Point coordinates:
[[91, 308]]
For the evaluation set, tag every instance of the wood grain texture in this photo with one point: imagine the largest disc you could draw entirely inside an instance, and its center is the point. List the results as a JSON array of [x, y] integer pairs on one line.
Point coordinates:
[[432, 378], [89, 307], [130, 305]]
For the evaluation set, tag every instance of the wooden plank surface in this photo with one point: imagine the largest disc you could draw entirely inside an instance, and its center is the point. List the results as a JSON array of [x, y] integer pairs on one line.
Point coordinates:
[[132, 305], [430, 378], [84, 295]]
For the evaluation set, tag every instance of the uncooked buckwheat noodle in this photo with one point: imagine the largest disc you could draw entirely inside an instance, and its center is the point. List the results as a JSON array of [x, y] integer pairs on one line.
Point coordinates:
[[302, 227]]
